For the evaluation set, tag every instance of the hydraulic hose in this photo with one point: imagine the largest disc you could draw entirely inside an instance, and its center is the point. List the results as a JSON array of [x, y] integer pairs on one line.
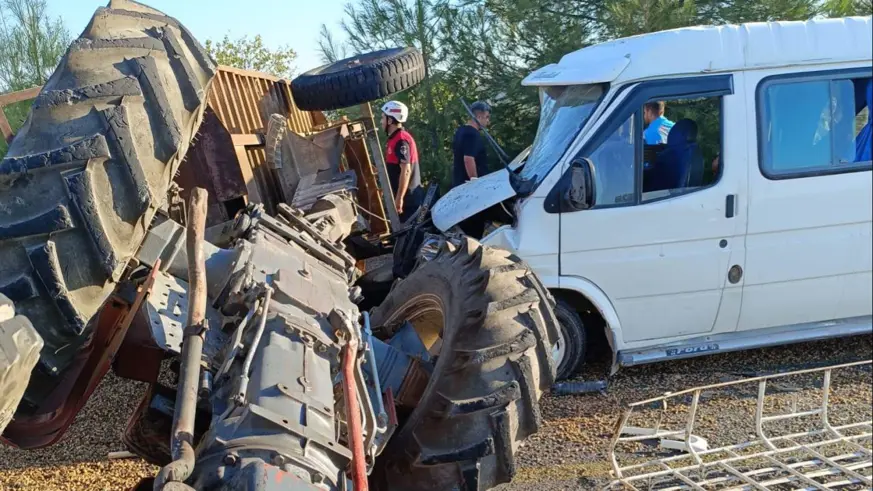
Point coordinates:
[[353, 416]]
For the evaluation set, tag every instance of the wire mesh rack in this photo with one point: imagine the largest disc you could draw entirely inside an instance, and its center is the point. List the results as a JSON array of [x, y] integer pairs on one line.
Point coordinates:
[[802, 430]]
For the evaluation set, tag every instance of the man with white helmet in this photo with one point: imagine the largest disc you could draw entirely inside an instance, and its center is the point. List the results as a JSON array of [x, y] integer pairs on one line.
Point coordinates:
[[401, 159]]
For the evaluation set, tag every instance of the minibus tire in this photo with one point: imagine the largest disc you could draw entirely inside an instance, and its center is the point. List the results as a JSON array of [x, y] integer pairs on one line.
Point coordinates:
[[574, 338]]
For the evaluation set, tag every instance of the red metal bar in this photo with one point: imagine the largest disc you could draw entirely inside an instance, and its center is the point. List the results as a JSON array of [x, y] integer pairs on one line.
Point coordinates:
[[389, 405], [353, 417]]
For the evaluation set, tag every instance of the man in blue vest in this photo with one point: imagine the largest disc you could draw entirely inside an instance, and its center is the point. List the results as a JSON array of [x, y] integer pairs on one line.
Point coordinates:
[[401, 159]]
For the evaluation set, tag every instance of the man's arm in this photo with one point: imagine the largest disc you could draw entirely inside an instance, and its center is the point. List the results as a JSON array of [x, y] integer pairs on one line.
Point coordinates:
[[470, 165], [469, 152], [405, 174]]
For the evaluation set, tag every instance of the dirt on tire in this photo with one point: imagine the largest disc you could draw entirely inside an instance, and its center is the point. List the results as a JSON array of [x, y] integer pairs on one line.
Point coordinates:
[[358, 79], [92, 164], [494, 363]]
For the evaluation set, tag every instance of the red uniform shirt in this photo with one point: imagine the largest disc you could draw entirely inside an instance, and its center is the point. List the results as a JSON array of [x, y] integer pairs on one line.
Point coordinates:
[[393, 147], [401, 147]]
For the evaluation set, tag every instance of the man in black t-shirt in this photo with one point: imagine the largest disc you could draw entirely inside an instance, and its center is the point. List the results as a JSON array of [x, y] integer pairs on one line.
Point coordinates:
[[470, 160], [468, 148]]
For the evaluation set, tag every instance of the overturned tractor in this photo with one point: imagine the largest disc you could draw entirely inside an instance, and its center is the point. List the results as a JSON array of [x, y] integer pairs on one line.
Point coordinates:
[[272, 363]]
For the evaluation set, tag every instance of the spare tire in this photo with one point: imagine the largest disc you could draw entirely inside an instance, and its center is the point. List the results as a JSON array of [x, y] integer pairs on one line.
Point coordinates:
[[493, 363], [358, 79], [88, 170]]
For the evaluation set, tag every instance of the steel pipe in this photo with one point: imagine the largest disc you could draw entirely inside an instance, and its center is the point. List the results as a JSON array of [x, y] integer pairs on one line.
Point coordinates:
[[182, 439], [250, 356]]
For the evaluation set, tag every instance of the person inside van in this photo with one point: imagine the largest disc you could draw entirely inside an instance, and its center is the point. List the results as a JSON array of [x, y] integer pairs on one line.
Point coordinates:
[[657, 129], [657, 126], [865, 136], [680, 164]]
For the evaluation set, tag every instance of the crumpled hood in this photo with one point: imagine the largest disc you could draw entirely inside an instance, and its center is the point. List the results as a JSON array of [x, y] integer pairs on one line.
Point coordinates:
[[471, 198], [475, 196]]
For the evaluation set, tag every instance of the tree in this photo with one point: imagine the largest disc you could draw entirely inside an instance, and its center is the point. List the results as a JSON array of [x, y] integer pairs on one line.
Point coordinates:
[[251, 54], [844, 8], [482, 49], [331, 50], [492, 45], [740, 11], [632, 17], [380, 24], [31, 44]]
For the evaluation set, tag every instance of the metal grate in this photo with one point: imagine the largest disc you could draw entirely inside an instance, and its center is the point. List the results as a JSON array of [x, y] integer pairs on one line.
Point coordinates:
[[802, 430]]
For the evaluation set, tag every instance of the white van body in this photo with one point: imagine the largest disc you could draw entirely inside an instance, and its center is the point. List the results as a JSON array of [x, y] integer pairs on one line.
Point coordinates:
[[764, 255]]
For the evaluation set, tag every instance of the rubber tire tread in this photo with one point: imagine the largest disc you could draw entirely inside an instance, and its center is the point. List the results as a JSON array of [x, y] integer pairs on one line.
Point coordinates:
[[575, 340], [494, 364], [90, 167], [391, 71]]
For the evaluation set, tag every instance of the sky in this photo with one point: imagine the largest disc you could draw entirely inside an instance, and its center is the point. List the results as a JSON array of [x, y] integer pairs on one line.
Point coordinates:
[[295, 23]]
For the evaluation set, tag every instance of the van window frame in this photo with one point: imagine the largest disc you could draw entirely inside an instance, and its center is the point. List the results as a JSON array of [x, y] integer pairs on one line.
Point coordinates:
[[761, 113], [721, 152], [717, 85]]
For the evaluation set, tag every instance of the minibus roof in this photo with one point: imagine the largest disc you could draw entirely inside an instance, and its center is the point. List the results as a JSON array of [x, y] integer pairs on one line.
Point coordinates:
[[701, 50]]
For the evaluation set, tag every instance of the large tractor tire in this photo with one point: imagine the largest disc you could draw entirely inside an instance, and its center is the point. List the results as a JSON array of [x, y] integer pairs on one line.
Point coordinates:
[[359, 79], [86, 173], [490, 323]]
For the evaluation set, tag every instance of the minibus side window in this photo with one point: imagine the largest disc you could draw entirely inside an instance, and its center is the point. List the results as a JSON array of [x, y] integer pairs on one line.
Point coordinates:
[[814, 126]]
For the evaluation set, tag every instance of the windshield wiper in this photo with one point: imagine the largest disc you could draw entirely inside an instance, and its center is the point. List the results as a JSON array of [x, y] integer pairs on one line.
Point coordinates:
[[521, 186]]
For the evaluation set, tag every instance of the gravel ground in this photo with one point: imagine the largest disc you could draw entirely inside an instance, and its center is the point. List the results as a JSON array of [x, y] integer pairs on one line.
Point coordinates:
[[568, 454], [79, 461]]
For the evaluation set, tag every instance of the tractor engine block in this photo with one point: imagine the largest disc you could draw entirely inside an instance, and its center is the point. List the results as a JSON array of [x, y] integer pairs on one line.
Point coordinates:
[[280, 310]]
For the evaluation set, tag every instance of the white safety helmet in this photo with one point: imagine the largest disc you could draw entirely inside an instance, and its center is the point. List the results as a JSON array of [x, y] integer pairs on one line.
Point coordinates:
[[396, 110]]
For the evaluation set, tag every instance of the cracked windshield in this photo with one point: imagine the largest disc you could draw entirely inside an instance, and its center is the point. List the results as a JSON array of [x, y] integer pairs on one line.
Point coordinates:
[[565, 109]]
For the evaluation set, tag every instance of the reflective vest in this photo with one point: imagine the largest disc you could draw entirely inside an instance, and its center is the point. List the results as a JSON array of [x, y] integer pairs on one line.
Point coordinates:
[[401, 134]]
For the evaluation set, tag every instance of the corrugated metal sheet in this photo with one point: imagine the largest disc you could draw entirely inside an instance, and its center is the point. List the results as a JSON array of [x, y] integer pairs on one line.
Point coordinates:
[[243, 100]]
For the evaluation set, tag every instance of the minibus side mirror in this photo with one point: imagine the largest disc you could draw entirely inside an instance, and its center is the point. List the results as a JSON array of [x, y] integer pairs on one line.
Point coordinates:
[[576, 190], [581, 190]]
